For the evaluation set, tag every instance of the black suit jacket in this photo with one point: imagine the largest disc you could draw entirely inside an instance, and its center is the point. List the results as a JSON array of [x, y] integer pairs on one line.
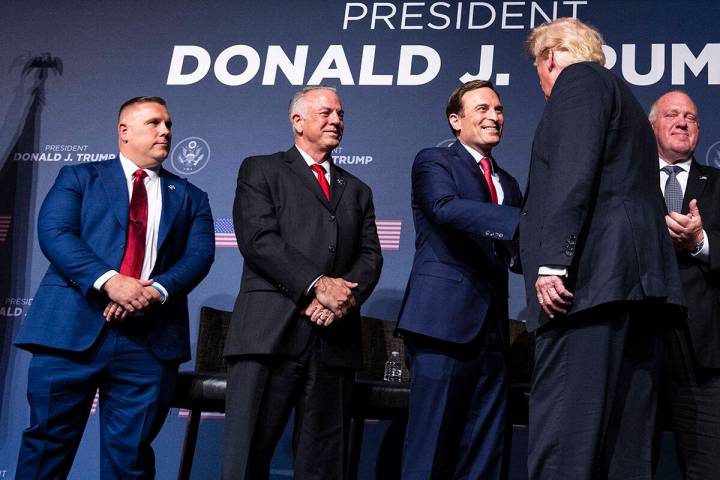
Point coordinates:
[[592, 202], [289, 234], [701, 281]]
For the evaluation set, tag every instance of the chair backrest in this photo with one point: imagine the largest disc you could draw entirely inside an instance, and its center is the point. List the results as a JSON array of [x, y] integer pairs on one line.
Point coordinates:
[[378, 342], [522, 352], [211, 340]]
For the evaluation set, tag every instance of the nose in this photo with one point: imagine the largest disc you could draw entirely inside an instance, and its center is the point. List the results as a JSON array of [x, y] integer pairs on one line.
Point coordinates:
[[165, 129], [334, 118]]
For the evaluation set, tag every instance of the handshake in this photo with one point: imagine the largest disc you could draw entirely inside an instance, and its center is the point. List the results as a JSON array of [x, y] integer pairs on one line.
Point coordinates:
[[333, 299]]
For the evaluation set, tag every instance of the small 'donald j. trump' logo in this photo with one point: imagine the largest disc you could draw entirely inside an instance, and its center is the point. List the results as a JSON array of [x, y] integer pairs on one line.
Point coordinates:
[[190, 155], [713, 155]]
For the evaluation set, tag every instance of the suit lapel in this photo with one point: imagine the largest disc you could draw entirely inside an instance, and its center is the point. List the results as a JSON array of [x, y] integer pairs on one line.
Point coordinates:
[[173, 193], [337, 186], [307, 177], [113, 179]]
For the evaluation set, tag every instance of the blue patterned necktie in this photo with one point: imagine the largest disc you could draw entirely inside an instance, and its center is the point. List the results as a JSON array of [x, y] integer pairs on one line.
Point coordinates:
[[673, 192]]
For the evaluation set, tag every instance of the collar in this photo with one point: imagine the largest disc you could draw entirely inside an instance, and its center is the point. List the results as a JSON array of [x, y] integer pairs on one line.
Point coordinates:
[[310, 162], [129, 168], [477, 156]]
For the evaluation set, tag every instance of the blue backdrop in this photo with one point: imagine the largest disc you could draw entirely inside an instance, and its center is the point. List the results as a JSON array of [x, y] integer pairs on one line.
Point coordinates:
[[228, 69]]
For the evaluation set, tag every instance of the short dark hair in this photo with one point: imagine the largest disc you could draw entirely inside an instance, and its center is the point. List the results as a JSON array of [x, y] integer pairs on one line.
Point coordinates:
[[455, 104], [139, 100]]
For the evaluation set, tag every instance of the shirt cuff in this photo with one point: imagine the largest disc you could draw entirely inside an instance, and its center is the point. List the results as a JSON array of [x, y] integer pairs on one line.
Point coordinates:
[[704, 254], [104, 278], [312, 284], [552, 270], [163, 293]]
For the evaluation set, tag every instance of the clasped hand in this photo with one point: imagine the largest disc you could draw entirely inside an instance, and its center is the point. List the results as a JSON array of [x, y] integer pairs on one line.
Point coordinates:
[[333, 299], [128, 295]]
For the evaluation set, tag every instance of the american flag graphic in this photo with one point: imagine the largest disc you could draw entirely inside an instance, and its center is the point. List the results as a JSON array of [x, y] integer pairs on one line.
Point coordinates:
[[4, 227], [185, 413], [225, 233], [389, 233]]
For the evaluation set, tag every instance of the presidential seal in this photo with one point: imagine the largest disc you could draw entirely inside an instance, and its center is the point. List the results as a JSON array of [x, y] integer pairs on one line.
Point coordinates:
[[190, 155]]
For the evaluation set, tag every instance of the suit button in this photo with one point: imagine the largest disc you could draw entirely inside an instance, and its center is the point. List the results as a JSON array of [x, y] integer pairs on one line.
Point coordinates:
[[331, 218], [331, 248]]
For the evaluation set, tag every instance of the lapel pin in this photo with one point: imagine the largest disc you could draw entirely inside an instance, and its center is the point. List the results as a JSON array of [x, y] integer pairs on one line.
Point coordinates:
[[171, 186], [341, 181], [703, 177]]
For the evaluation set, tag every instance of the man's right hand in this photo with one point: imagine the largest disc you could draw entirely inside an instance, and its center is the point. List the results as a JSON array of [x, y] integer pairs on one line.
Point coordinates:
[[128, 292], [335, 294]]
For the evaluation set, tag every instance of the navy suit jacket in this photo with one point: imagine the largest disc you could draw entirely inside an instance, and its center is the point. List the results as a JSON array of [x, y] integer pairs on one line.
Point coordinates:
[[82, 229], [458, 267], [592, 203], [701, 281]]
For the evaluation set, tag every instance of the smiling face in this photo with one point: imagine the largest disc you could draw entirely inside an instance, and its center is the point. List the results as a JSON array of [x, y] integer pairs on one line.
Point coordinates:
[[479, 124], [318, 122], [144, 132], [675, 122]]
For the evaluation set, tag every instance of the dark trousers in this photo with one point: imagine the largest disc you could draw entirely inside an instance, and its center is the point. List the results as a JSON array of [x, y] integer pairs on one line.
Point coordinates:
[[135, 394], [690, 406], [594, 393], [261, 394], [457, 425]]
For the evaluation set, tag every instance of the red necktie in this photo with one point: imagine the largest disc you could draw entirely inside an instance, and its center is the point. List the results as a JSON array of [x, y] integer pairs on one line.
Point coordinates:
[[485, 164], [137, 226], [320, 172]]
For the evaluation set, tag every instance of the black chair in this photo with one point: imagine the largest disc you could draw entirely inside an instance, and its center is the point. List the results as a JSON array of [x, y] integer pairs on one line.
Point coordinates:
[[203, 390], [373, 397]]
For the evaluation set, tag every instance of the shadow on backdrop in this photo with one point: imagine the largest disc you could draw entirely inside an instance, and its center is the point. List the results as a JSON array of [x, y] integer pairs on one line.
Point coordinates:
[[19, 133]]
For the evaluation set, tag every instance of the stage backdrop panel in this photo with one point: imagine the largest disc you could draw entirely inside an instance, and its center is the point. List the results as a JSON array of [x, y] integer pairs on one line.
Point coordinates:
[[228, 69]]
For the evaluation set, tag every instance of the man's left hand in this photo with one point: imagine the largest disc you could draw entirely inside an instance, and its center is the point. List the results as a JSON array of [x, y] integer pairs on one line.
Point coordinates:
[[552, 295], [686, 231]]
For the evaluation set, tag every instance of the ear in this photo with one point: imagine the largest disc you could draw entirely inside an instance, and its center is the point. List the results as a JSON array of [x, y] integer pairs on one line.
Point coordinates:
[[551, 64], [454, 120], [296, 120], [122, 132]]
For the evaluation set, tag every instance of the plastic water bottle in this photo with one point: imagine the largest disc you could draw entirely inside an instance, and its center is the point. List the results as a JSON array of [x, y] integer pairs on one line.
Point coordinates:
[[393, 368]]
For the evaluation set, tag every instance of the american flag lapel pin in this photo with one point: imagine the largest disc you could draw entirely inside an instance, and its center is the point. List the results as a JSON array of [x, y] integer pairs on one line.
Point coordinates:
[[171, 186]]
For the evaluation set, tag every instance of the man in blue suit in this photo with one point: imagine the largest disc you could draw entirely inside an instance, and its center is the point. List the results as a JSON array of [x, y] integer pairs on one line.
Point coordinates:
[[126, 241], [454, 316]]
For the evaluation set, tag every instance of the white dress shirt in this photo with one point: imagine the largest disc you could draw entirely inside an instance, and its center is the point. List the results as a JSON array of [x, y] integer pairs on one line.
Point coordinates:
[[154, 196]]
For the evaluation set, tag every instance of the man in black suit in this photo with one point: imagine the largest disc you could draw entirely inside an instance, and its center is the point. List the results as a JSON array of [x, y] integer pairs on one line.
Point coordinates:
[[599, 266], [690, 397], [306, 229]]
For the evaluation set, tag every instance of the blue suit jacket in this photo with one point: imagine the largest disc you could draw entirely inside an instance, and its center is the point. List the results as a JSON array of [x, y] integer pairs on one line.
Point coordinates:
[[82, 229], [458, 266]]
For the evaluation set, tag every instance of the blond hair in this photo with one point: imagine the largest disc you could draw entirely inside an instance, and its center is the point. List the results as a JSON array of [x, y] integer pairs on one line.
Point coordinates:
[[572, 41]]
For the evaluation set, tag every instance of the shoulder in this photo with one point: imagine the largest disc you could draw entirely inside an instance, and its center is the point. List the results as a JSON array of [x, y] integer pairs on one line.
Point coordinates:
[[264, 162], [584, 76], [706, 170]]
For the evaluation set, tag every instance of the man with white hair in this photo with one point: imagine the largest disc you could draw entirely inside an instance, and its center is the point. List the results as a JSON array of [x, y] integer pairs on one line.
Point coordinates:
[[600, 269], [306, 229], [691, 373]]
